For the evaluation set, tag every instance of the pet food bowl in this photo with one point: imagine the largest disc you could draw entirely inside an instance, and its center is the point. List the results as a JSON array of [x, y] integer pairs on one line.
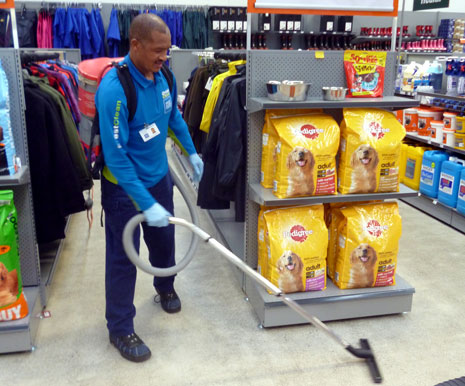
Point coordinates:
[[334, 93], [287, 91]]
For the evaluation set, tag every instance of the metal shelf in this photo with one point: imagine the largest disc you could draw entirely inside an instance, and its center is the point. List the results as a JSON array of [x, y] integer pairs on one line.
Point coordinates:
[[19, 178], [332, 303], [263, 196], [437, 95], [257, 104], [437, 210], [435, 144], [19, 335]]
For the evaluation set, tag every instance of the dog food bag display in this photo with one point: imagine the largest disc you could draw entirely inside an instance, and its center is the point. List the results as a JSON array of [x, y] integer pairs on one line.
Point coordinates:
[[297, 242], [262, 265], [370, 151], [9, 162], [334, 216], [13, 303], [269, 140], [365, 73], [367, 245], [306, 155]]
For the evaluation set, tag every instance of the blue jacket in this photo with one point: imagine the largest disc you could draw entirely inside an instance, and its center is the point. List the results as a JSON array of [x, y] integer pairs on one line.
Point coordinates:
[[138, 164]]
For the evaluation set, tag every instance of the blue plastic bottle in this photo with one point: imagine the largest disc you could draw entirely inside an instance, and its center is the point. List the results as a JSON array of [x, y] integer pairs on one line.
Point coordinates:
[[430, 172], [436, 76], [452, 72], [461, 78], [449, 181], [461, 194]]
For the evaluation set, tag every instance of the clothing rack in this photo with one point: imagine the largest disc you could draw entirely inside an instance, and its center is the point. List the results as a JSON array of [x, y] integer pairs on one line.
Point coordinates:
[[30, 57]]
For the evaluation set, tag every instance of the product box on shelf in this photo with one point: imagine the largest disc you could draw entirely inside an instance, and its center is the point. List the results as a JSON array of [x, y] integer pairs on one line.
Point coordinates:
[[449, 181], [430, 172]]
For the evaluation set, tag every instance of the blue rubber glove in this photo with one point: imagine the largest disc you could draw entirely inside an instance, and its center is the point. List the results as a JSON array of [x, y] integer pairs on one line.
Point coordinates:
[[197, 164], [157, 216]]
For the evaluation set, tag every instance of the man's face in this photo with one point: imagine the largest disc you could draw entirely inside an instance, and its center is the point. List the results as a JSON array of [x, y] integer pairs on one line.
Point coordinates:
[[151, 53]]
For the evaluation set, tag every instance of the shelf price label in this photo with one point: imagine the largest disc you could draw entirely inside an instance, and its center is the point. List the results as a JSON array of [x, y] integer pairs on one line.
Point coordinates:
[[319, 54]]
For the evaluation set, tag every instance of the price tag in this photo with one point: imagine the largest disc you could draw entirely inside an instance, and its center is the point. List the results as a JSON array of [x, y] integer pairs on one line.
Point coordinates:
[[319, 54]]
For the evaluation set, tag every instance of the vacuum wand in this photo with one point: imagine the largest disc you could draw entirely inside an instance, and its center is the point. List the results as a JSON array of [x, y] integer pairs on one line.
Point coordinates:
[[363, 352]]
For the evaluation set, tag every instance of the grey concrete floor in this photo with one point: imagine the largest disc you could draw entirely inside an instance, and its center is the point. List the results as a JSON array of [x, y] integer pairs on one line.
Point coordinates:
[[215, 339]]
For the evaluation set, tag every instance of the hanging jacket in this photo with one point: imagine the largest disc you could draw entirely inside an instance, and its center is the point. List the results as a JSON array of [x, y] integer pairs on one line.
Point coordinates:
[[55, 184], [71, 135]]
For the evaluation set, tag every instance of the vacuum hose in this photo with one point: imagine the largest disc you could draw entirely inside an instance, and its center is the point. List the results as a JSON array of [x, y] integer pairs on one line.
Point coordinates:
[[134, 222]]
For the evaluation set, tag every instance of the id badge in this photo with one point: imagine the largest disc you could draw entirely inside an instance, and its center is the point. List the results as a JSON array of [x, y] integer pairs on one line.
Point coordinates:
[[149, 132]]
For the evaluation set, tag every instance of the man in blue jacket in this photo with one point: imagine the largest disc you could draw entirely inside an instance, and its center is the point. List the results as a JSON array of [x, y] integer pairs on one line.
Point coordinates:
[[136, 177]]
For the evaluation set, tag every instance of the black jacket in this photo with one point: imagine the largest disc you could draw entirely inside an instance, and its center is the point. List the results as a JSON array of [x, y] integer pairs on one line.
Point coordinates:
[[56, 189], [225, 151]]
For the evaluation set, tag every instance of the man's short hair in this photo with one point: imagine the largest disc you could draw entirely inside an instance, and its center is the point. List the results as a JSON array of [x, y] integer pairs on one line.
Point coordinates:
[[144, 24]]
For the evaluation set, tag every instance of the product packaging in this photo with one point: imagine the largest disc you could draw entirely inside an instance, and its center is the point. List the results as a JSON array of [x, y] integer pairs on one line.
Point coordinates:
[[365, 73], [13, 303]]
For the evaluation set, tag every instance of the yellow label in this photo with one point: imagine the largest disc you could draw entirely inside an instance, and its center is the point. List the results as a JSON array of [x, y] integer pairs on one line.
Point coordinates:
[[319, 54]]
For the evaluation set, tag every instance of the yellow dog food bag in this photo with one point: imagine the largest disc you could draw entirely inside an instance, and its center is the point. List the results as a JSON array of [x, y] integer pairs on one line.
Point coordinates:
[[334, 216], [297, 242], [367, 245], [306, 150], [269, 140], [13, 304], [370, 151]]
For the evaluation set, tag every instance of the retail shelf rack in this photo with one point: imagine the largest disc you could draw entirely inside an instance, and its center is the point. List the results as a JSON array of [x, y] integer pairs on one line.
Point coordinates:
[[428, 141], [331, 304], [19, 335], [438, 210], [257, 104], [262, 196]]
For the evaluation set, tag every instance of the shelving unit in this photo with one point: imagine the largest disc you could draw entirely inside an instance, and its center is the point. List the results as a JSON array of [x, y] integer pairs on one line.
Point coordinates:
[[19, 335], [438, 210], [331, 304], [428, 141], [394, 102], [262, 196]]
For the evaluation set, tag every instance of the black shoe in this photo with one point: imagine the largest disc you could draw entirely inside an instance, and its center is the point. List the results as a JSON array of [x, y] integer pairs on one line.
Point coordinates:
[[131, 347], [169, 301]]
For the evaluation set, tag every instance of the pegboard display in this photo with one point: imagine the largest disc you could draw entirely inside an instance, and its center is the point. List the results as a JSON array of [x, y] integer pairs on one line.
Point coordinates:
[[264, 66]]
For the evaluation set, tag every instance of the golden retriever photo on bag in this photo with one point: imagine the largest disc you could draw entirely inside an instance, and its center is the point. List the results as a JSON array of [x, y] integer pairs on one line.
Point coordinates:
[[363, 262], [8, 285], [300, 163], [364, 163], [290, 272]]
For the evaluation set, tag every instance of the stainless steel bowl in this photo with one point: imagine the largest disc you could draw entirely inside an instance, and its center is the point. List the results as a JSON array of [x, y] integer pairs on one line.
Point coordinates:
[[287, 91], [334, 93]]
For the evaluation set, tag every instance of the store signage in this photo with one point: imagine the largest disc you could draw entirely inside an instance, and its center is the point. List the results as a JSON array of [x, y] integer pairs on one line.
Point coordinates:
[[7, 4], [419, 5], [335, 5]]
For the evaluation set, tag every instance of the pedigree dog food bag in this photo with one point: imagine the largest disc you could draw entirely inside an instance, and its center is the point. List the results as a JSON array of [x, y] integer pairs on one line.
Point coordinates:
[[367, 245], [269, 140], [306, 155], [297, 242], [369, 155], [13, 303]]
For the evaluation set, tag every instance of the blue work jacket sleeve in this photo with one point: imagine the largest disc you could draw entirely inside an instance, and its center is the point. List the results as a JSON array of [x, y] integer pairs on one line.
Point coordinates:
[[114, 131], [178, 125]]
